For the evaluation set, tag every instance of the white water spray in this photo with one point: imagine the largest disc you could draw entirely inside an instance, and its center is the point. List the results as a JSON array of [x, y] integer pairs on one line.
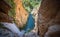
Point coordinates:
[[13, 28]]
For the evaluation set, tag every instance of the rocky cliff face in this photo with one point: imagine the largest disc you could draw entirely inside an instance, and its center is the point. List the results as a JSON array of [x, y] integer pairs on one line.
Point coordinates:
[[21, 14], [5, 18], [48, 15]]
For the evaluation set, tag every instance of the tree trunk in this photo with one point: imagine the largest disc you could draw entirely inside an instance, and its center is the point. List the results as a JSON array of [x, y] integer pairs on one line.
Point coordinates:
[[48, 15]]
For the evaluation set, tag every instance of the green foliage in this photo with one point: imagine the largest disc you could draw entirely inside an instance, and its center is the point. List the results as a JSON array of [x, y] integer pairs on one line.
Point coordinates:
[[30, 4]]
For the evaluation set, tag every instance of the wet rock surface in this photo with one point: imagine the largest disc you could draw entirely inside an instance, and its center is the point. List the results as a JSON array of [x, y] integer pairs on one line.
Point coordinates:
[[14, 32], [7, 33]]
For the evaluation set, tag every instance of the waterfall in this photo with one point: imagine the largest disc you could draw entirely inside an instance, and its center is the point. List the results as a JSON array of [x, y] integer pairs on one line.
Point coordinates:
[[13, 28]]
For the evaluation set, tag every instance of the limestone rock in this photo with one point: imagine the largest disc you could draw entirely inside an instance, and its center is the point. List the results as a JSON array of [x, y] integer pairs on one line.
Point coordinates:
[[21, 14], [48, 15]]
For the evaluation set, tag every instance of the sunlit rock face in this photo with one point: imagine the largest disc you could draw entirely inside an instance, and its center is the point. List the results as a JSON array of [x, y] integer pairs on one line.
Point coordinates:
[[21, 14], [34, 12], [48, 15]]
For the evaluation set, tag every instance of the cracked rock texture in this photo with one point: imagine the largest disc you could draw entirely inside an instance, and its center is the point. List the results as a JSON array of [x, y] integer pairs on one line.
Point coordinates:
[[49, 14]]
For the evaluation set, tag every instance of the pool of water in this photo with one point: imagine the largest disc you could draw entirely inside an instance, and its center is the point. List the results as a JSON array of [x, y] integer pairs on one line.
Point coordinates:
[[30, 23]]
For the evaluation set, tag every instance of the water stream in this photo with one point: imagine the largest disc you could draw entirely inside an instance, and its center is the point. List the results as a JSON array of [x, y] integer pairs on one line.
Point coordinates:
[[29, 26]]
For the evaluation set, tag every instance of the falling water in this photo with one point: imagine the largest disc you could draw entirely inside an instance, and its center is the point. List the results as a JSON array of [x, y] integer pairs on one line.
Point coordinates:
[[13, 28]]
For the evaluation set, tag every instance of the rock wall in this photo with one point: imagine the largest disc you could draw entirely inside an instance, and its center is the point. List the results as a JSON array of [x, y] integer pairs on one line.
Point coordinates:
[[34, 12], [48, 15], [4, 8], [21, 14], [5, 18]]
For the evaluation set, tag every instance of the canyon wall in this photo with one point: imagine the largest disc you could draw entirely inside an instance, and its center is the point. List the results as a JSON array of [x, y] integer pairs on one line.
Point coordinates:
[[49, 14], [21, 14]]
